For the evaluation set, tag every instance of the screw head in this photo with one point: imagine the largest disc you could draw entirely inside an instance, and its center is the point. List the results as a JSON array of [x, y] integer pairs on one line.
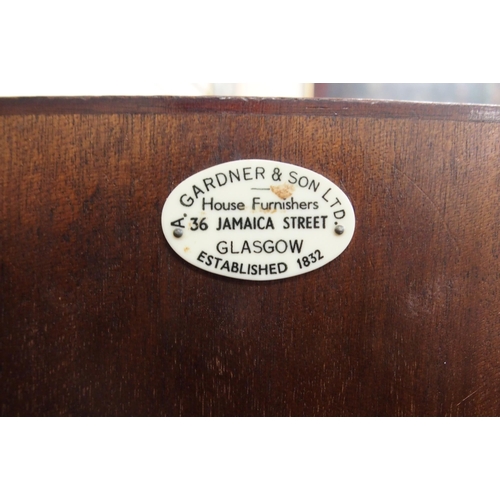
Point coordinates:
[[178, 232], [339, 229]]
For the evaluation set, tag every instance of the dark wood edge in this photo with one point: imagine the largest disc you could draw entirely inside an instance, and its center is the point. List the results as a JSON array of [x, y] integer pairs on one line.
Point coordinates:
[[248, 105]]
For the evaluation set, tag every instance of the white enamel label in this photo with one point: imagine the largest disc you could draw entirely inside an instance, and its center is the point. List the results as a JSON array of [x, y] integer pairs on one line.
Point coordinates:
[[258, 220]]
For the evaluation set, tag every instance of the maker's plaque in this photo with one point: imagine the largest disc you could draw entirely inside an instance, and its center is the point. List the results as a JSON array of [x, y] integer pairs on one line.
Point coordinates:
[[258, 220]]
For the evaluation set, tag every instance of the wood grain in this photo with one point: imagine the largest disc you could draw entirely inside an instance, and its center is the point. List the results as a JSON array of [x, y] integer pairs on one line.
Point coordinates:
[[98, 316]]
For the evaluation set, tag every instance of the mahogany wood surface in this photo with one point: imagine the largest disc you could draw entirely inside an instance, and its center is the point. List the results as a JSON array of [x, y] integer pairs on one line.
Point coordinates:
[[98, 316]]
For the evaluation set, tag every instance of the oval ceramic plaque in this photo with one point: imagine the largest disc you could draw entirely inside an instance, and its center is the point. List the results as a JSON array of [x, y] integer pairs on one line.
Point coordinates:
[[258, 220]]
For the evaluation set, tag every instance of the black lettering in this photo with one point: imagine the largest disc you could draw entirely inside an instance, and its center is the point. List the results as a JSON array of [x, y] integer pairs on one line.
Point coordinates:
[[209, 183], [314, 186], [186, 201], [268, 246], [283, 248], [295, 246], [221, 247], [197, 191], [303, 181], [178, 223], [224, 178], [309, 222], [235, 175], [258, 246], [230, 205]]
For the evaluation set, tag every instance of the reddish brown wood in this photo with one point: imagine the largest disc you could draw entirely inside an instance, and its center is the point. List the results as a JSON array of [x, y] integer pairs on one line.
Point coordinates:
[[244, 105], [99, 317]]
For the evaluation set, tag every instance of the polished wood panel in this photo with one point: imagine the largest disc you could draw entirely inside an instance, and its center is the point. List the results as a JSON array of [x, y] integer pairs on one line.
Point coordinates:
[[98, 316]]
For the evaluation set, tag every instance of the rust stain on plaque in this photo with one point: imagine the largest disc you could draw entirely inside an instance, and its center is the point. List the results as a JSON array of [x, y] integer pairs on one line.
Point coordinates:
[[283, 191]]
